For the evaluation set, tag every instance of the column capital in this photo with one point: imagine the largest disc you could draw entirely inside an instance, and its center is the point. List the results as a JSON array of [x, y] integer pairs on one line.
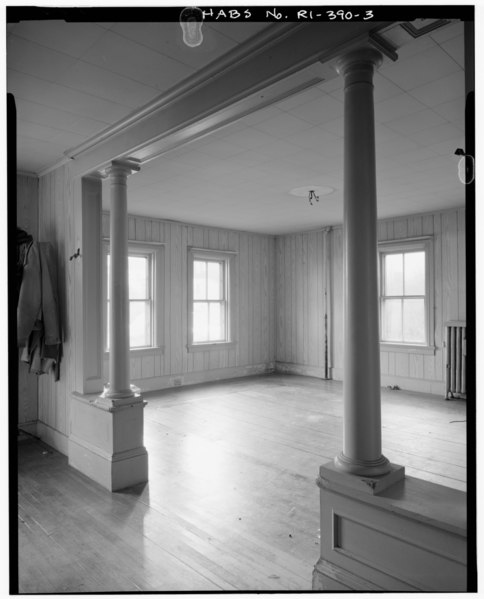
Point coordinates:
[[365, 58], [122, 168]]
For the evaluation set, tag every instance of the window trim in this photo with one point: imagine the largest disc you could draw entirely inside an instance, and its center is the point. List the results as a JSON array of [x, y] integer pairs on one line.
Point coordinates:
[[156, 252], [425, 244], [228, 258]]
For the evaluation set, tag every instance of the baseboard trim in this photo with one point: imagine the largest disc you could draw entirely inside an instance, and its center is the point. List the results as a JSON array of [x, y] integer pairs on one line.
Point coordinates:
[[54, 438], [329, 577], [414, 385], [28, 427], [301, 369], [405, 383], [202, 376]]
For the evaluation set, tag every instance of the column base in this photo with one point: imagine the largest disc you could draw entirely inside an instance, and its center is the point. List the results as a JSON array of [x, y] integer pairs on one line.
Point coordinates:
[[378, 467], [410, 536], [106, 440], [119, 397], [371, 479]]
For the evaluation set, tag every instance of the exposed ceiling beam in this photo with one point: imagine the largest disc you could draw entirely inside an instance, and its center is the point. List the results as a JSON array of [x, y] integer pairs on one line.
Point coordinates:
[[278, 64]]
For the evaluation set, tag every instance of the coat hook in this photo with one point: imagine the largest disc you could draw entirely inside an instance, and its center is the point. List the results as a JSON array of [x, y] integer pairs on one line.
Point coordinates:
[[76, 255]]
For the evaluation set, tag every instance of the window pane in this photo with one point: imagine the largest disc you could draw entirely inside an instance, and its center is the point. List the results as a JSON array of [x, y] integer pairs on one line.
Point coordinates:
[[216, 322], [138, 269], [140, 305], [214, 280], [414, 321], [393, 274], [139, 324], [415, 273], [392, 320], [200, 322], [199, 280]]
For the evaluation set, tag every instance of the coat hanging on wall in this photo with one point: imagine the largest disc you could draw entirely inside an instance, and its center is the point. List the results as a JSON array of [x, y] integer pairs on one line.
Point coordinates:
[[24, 240], [38, 322]]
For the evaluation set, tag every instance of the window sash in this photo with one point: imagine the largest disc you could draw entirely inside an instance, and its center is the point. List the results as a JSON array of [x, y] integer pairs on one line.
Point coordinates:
[[209, 314], [406, 324], [401, 279], [134, 334], [135, 338], [209, 326], [405, 329]]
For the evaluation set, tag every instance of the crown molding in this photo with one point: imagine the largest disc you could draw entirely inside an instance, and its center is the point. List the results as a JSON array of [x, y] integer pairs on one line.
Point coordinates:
[[53, 167], [28, 174]]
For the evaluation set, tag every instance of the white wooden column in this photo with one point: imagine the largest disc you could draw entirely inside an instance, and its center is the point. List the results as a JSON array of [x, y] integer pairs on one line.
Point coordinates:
[[106, 431], [380, 530], [361, 383], [119, 385]]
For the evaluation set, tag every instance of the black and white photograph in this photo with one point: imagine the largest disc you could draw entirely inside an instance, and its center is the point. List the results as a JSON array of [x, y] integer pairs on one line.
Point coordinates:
[[241, 309]]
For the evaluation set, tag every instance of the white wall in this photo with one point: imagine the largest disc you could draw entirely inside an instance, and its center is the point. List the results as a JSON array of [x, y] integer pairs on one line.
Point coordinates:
[[300, 299], [57, 225], [303, 285], [254, 318]]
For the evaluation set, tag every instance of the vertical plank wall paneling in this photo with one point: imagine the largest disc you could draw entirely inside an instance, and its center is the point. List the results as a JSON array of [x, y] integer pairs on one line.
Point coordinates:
[[56, 225], [254, 314], [300, 299], [301, 302], [28, 220], [412, 370]]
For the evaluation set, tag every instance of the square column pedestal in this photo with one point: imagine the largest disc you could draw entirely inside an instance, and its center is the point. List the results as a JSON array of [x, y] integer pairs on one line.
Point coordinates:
[[408, 536], [106, 440]]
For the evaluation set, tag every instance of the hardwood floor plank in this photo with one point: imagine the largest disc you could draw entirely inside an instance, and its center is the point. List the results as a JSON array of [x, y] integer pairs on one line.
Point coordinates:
[[44, 565], [231, 503]]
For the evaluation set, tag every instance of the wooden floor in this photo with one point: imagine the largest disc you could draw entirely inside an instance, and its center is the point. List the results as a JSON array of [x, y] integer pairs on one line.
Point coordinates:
[[232, 502]]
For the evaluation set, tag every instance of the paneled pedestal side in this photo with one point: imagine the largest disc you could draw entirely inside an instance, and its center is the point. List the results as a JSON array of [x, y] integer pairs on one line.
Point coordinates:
[[411, 536], [106, 440]]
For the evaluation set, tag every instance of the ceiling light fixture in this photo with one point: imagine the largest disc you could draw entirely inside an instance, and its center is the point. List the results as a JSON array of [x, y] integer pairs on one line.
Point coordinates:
[[312, 196], [191, 21], [311, 192]]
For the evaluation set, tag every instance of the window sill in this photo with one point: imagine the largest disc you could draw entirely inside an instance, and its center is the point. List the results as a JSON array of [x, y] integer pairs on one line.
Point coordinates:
[[144, 351], [221, 345], [407, 348]]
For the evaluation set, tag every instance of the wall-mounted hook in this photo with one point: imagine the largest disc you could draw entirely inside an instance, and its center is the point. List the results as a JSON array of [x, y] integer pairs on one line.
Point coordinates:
[[76, 255]]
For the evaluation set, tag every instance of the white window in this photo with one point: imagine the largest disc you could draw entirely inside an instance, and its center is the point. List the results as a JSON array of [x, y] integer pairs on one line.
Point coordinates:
[[144, 268], [406, 307], [210, 298]]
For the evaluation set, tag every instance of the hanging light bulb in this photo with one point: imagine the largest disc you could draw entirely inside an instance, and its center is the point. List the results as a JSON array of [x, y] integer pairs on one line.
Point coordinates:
[[191, 21], [465, 167]]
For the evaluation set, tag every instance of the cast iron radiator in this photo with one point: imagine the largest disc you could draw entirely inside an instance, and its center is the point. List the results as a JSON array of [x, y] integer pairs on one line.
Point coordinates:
[[456, 360]]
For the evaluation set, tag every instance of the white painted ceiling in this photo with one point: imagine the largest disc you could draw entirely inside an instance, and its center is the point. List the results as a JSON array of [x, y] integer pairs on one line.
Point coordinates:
[[72, 80]]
